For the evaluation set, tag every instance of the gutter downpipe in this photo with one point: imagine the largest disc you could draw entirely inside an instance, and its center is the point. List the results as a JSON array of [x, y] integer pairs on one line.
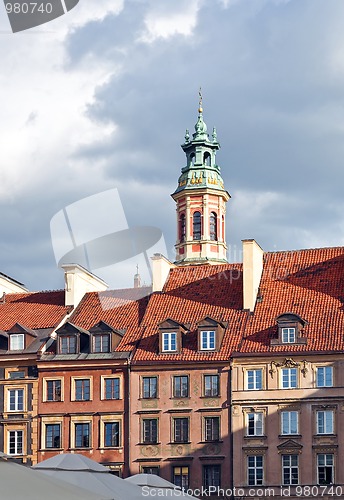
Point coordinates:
[[231, 439]]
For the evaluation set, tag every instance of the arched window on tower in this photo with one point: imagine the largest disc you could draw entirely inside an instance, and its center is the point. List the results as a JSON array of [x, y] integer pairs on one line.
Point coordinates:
[[192, 159], [207, 159], [196, 226], [182, 228], [213, 226]]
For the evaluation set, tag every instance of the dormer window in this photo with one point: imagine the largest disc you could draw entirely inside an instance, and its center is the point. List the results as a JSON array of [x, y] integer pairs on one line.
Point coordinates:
[[68, 344], [169, 341], [288, 335], [290, 329], [210, 334], [101, 342], [208, 340], [16, 342]]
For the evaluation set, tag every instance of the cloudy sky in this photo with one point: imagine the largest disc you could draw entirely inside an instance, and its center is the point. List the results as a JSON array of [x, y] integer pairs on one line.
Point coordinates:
[[101, 97]]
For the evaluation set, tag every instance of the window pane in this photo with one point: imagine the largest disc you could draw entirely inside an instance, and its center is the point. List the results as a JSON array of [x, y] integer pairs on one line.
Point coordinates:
[[16, 342], [52, 436], [82, 435], [181, 386], [150, 387], [211, 385], [111, 434], [112, 388]]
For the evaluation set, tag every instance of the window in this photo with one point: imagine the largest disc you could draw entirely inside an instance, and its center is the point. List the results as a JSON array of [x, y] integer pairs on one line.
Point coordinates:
[[181, 430], [150, 470], [169, 341], [15, 442], [211, 475], [181, 477], [150, 387], [16, 375], [255, 424], [254, 380], [207, 159], [16, 400], [290, 469], [289, 378], [112, 388], [101, 343], [213, 226], [150, 430], [52, 435], [196, 226], [82, 435], [211, 428], [82, 389], [181, 386], [182, 228], [68, 344], [53, 388], [289, 422], [255, 470], [325, 422], [111, 434], [324, 376], [16, 342], [211, 385], [288, 335], [208, 340], [325, 465]]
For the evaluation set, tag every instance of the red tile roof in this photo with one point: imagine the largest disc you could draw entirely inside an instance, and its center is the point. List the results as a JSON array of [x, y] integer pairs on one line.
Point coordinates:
[[190, 294], [121, 309], [309, 283], [35, 310]]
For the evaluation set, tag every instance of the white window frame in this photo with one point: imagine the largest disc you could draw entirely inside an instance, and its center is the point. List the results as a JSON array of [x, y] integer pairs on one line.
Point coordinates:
[[255, 468], [324, 369], [255, 379], [287, 417], [171, 338], [104, 378], [16, 399], [14, 341], [45, 389], [208, 337], [325, 418], [290, 469], [16, 431], [288, 335], [289, 371], [258, 423], [326, 456]]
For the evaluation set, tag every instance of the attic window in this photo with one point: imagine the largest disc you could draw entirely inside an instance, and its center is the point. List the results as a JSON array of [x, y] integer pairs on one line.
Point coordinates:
[[101, 342], [169, 341], [288, 335], [210, 334], [16, 341], [290, 329], [68, 344], [208, 340], [170, 336]]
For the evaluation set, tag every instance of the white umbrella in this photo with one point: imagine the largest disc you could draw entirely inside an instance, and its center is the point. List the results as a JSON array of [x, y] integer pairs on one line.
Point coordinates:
[[156, 485], [18, 482]]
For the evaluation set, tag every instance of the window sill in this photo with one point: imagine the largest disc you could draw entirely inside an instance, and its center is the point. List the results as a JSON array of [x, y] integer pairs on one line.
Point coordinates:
[[262, 436], [149, 444], [50, 449], [293, 436], [325, 435], [179, 442]]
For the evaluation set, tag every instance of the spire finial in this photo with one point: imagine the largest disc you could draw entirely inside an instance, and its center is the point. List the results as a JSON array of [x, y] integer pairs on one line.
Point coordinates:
[[200, 108]]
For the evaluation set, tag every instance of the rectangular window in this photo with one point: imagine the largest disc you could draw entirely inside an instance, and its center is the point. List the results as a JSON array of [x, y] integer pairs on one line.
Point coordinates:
[[255, 470], [289, 422], [289, 378], [53, 435], [16, 341], [15, 442], [150, 387], [254, 380], [150, 470], [211, 385], [181, 430], [211, 428], [324, 376], [325, 422], [101, 343], [208, 340], [325, 465], [111, 434], [68, 344], [288, 335], [181, 386], [53, 388], [290, 469], [255, 424], [82, 435], [150, 430], [169, 341], [181, 476], [82, 389], [211, 475], [112, 388], [16, 375], [16, 400]]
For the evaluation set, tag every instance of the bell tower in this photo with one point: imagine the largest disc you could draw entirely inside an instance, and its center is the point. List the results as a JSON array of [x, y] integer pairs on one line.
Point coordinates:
[[201, 200]]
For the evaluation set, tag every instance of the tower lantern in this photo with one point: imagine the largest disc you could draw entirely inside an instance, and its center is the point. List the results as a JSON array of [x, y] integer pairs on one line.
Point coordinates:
[[201, 200]]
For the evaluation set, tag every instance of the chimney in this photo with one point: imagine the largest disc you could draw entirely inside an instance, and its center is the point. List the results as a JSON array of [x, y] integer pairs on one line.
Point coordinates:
[[79, 281], [10, 285], [252, 272], [161, 269], [137, 278]]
